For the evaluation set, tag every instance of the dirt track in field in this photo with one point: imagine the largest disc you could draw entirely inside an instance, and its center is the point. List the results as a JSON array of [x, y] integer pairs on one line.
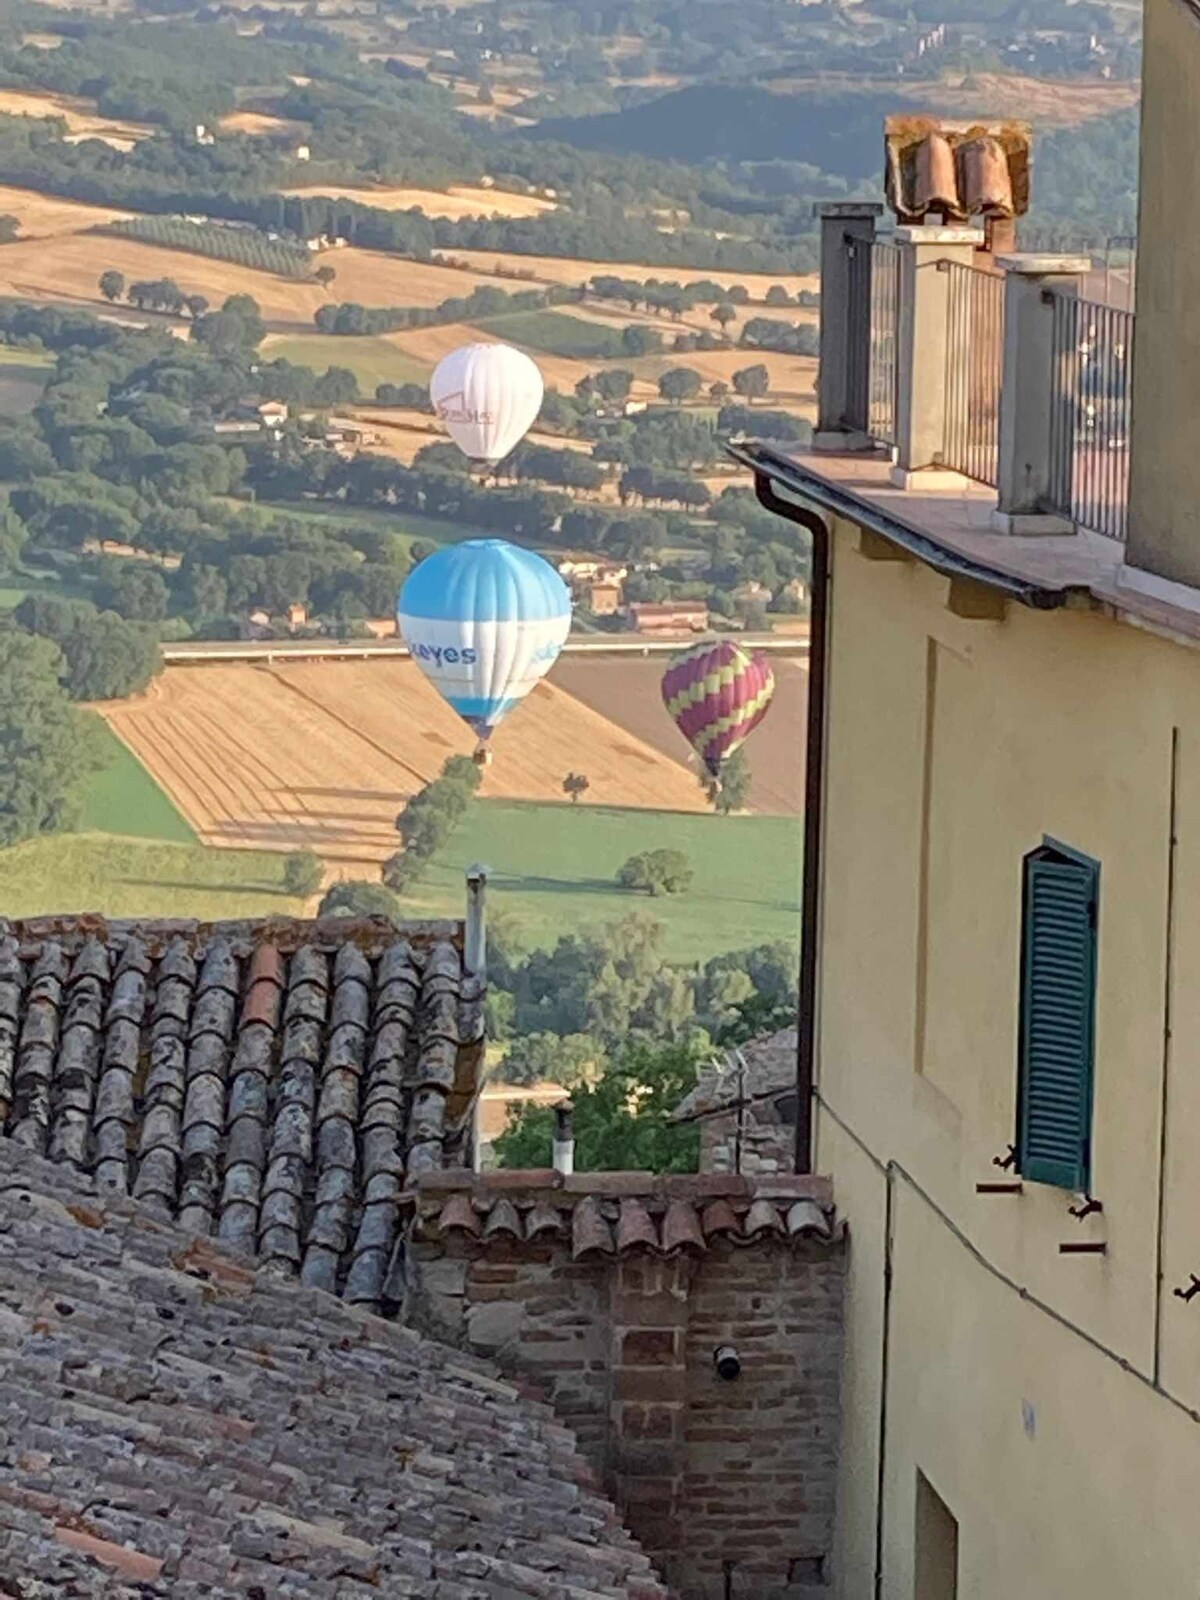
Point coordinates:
[[324, 754]]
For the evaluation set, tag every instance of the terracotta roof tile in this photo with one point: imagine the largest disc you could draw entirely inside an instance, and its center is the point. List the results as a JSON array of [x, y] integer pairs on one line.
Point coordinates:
[[174, 1423], [956, 170], [642, 1213], [266, 1082], [634, 1226]]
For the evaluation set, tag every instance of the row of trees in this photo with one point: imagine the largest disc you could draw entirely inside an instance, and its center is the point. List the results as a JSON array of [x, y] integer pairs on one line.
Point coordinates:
[[428, 820], [486, 301]]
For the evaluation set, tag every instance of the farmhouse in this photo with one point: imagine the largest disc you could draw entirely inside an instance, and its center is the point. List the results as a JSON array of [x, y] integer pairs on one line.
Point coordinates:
[[215, 1134], [668, 616]]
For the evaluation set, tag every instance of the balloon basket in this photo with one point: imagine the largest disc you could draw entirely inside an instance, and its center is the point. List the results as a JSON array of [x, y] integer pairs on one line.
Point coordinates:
[[483, 757]]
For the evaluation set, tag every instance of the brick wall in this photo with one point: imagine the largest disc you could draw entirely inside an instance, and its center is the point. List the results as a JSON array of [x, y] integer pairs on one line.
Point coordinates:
[[613, 1292]]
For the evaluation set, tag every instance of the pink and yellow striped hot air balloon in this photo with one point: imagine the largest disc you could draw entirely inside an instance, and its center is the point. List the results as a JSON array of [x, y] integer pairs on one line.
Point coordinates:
[[718, 694]]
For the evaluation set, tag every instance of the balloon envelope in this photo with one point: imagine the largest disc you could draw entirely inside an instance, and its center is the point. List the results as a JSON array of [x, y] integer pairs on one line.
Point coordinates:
[[485, 620], [488, 396], [718, 694]]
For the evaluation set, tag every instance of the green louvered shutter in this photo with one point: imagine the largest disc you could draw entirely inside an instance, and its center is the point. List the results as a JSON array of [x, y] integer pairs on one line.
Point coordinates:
[[1058, 1010]]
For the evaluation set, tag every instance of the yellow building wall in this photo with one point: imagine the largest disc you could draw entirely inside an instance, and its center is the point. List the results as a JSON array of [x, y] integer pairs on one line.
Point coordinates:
[[1164, 510], [954, 748]]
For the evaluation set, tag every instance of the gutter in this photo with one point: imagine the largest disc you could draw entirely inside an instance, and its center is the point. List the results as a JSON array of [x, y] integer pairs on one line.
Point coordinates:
[[768, 463], [814, 800]]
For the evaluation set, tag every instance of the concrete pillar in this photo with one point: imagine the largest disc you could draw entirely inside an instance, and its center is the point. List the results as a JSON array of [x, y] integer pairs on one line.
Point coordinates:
[[1027, 389], [843, 350], [923, 328]]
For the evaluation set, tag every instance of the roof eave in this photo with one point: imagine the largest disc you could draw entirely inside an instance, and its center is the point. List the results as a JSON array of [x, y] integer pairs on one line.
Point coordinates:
[[767, 462]]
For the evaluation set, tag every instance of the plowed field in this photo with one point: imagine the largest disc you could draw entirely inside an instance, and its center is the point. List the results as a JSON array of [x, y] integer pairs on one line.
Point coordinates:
[[324, 754]]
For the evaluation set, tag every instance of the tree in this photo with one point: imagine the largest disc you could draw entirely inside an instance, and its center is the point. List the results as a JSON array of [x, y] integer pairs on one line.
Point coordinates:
[[325, 276], [680, 383], [112, 284], [752, 383], [302, 873], [638, 340], [105, 657], [551, 1058], [46, 746], [657, 872], [197, 305], [622, 1122], [359, 898], [613, 385], [575, 784], [10, 227], [718, 392], [134, 591], [777, 295], [724, 313], [733, 789]]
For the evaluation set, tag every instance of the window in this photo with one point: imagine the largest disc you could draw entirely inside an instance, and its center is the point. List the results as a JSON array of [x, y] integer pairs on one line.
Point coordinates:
[[1058, 1008], [935, 1575]]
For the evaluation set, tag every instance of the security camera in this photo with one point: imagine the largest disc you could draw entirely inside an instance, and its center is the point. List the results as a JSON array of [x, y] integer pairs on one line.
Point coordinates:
[[727, 1362]]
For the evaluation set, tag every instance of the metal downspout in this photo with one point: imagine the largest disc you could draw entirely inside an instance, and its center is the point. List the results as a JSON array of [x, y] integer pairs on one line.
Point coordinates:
[[814, 785]]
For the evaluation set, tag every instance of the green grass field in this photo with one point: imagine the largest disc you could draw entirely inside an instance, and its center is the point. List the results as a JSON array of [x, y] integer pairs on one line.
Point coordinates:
[[406, 525], [553, 868], [372, 360], [140, 878], [123, 798], [557, 333]]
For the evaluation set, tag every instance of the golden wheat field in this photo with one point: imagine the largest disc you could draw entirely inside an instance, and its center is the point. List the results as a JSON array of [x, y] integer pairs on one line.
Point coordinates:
[[323, 754], [459, 200], [70, 272]]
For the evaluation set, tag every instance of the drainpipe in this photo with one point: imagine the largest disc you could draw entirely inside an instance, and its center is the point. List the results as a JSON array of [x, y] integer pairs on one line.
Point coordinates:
[[564, 1139], [814, 787], [475, 933]]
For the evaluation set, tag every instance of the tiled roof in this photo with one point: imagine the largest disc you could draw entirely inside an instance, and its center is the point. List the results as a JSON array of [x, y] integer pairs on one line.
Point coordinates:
[[273, 1083], [611, 1213], [173, 1424], [761, 1070], [956, 170]]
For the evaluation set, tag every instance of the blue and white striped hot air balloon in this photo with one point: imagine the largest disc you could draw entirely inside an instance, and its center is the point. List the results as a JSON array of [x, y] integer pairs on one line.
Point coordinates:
[[484, 620]]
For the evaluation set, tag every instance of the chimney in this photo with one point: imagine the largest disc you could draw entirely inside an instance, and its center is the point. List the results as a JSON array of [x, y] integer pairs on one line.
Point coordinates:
[[475, 935], [564, 1138]]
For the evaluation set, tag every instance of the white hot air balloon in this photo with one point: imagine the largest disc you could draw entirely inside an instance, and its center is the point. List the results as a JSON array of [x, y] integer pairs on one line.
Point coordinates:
[[488, 396]]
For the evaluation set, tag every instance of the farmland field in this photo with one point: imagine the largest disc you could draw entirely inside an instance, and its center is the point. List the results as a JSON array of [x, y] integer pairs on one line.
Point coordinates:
[[553, 868], [460, 200], [565, 269], [141, 878], [122, 798], [556, 333], [80, 116], [323, 754], [372, 359]]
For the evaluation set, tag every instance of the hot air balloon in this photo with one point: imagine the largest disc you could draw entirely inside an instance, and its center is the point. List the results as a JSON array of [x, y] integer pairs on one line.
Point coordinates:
[[484, 620], [718, 694], [488, 396]]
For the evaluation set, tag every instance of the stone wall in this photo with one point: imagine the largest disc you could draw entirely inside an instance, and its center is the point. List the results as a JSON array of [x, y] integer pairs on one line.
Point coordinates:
[[613, 1292], [756, 1139]]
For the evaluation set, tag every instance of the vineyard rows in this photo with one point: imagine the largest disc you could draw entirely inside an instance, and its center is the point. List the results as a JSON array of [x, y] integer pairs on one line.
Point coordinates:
[[247, 247]]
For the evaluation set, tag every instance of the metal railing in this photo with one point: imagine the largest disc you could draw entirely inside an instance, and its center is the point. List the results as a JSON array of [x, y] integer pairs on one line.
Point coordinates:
[[858, 322], [1090, 406], [974, 370], [872, 317], [884, 367]]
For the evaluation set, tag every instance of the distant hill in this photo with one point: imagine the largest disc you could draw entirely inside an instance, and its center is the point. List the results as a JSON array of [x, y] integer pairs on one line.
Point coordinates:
[[838, 132]]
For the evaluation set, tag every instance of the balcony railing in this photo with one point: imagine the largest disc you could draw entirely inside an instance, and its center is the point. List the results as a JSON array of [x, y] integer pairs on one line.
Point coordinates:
[[1091, 387], [974, 371], [995, 368], [872, 313]]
